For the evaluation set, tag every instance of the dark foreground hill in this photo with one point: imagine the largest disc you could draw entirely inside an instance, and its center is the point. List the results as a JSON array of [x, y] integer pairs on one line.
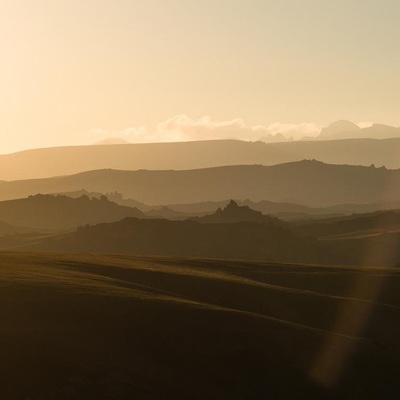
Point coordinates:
[[62, 212], [41, 163], [89, 327], [307, 182]]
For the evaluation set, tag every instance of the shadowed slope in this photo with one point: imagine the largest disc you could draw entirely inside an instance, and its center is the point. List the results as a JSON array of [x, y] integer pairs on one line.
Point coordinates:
[[99, 327]]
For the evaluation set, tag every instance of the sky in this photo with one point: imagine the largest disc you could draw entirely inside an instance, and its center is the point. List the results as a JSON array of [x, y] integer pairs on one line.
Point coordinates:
[[78, 71]]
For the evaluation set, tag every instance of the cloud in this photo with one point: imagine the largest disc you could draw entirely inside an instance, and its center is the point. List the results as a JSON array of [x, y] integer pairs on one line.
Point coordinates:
[[181, 127], [132, 134], [184, 128], [364, 124], [296, 131]]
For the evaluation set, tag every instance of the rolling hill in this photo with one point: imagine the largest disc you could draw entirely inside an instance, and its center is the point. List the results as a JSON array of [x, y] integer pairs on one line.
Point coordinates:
[[240, 240], [306, 182], [98, 327], [42, 163]]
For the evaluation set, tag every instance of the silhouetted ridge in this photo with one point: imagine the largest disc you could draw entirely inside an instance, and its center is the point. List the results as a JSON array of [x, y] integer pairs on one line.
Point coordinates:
[[234, 213], [62, 212]]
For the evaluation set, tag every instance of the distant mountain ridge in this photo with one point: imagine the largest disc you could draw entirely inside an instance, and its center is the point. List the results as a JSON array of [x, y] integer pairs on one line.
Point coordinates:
[[60, 161], [340, 130], [338, 127]]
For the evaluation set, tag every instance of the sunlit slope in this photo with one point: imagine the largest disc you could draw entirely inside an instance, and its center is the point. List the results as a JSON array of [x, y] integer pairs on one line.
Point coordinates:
[[41, 163], [108, 326]]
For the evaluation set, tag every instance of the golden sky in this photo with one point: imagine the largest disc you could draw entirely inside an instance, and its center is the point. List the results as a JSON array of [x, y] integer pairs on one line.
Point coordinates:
[[75, 71]]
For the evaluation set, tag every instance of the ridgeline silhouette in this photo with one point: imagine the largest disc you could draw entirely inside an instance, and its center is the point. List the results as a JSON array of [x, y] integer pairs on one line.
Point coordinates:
[[62, 212], [233, 213]]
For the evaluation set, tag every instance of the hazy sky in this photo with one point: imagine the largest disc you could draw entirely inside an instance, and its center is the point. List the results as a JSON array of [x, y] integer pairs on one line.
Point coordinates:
[[76, 71]]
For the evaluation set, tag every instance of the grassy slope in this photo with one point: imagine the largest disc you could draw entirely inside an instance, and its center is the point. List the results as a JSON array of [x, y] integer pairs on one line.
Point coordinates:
[[123, 327]]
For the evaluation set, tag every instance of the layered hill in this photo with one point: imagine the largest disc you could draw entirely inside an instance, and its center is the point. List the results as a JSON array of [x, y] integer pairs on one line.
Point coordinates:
[[41, 163], [62, 212], [241, 240], [287, 211], [282, 210], [305, 182]]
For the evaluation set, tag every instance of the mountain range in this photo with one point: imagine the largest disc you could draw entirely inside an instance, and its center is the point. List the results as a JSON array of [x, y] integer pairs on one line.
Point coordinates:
[[348, 130]]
